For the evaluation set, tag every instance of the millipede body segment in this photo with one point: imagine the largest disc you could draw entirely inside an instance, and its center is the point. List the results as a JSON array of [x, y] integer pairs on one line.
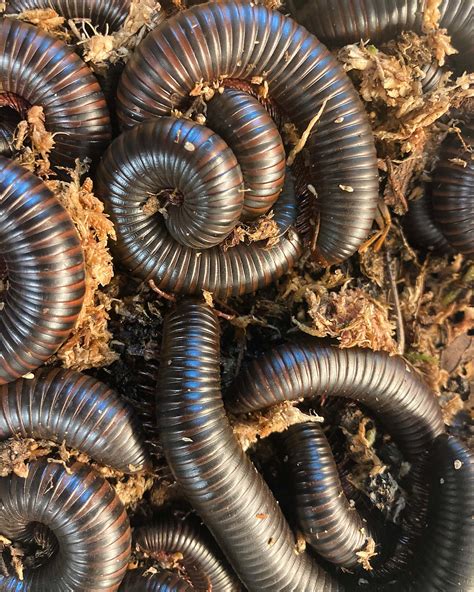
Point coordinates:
[[328, 522], [44, 72], [453, 190], [104, 14], [64, 405], [204, 569], [445, 557], [87, 523], [174, 154], [163, 581], [44, 266], [339, 22], [242, 41], [212, 470], [385, 384]]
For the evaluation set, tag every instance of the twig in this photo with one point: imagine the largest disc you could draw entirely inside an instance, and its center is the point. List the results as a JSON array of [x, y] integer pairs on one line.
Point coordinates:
[[165, 295], [304, 138], [420, 285], [396, 303]]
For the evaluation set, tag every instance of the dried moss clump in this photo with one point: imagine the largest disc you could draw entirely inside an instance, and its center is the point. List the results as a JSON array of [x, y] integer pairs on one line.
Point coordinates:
[[88, 345]]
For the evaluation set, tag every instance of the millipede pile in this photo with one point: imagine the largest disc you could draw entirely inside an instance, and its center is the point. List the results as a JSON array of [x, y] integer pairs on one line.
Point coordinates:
[[233, 118]]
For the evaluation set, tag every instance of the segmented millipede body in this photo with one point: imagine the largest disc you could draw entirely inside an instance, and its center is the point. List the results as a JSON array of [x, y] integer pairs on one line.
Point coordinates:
[[64, 405], [339, 22], [213, 472], [445, 559], [443, 218], [328, 522], [44, 72], [204, 570], [86, 520], [420, 226], [8, 124], [242, 41], [168, 153], [163, 581], [103, 14], [385, 384], [453, 191], [44, 266]]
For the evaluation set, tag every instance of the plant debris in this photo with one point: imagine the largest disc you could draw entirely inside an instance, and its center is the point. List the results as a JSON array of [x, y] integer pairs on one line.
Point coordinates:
[[88, 346]]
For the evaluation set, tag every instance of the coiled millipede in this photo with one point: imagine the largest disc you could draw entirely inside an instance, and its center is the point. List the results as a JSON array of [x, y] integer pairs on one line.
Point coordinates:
[[390, 388], [43, 263], [203, 568], [39, 70], [67, 405], [386, 385], [232, 43], [85, 522]]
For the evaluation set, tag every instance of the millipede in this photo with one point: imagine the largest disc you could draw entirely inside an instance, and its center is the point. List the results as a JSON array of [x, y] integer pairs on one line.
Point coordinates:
[[453, 190], [105, 15], [65, 405], [444, 560], [340, 22], [443, 218], [86, 524], [43, 263], [163, 581], [240, 42], [211, 468], [204, 569], [385, 384], [125, 178], [244, 152], [328, 522], [43, 71]]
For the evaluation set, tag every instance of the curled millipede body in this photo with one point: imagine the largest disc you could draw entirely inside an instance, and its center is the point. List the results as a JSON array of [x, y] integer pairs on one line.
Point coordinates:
[[86, 521], [66, 405], [328, 522], [102, 13], [164, 581], [168, 153], [421, 229], [243, 41], [445, 559], [443, 218], [203, 568], [213, 472], [44, 265], [453, 191], [339, 22], [44, 72], [254, 138], [386, 384]]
